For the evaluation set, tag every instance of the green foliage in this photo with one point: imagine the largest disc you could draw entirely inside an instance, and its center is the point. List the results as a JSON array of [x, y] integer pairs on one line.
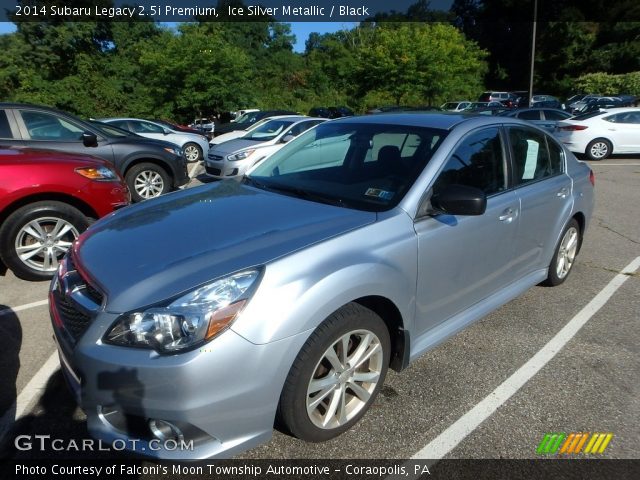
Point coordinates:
[[608, 84]]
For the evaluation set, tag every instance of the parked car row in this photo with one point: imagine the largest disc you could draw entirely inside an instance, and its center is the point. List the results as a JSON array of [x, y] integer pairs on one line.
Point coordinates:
[[150, 167], [194, 145]]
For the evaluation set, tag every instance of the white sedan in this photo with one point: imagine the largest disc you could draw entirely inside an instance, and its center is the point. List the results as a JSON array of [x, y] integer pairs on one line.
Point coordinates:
[[234, 157], [195, 146], [599, 134]]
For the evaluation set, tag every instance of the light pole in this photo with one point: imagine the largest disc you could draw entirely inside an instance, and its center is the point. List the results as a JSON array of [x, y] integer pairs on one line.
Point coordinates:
[[533, 49]]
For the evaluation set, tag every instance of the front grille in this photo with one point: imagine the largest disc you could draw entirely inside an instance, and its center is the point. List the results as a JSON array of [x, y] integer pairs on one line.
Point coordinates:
[[213, 171], [74, 321], [76, 300], [216, 158]]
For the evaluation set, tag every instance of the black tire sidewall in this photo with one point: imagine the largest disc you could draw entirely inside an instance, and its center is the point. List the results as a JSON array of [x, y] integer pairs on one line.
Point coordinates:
[[134, 171], [292, 413], [599, 140], [198, 148], [16, 221]]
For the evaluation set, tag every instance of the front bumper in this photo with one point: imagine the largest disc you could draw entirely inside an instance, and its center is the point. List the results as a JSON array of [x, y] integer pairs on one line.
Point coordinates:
[[222, 397]]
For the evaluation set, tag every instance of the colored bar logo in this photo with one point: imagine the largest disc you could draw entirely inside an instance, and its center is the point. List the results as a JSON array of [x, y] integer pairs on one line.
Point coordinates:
[[573, 443]]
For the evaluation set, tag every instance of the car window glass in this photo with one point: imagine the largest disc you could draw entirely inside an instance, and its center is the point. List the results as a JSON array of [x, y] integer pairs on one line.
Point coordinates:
[[555, 115], [320, 153], [625, 117], [145, 127], [531, 157], [45, 126], [477, 162], [121, 124], [5, 130], [529, 115]]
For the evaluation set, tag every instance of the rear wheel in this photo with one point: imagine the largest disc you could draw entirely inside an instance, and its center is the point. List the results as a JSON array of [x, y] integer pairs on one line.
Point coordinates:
[[336, 376], [147, 180], [192, 152], [599, 149], [34, 238], [565, 255]]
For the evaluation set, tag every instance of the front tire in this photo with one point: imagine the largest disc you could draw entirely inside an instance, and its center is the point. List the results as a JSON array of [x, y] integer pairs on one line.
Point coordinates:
[[192, 152], [565, 255], [34, 238], [147, 180], [336, 376], [599, 149]]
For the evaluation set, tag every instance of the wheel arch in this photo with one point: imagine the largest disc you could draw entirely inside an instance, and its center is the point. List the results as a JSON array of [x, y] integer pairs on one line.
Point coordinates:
[[85, 208], [582, 223], [155, 161], [400, 339]]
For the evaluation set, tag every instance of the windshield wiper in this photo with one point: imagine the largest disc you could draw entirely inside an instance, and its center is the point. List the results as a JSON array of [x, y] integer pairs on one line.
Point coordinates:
[[306, 195]]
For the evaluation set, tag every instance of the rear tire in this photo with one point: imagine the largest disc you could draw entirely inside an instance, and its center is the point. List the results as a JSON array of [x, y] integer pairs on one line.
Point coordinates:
[[599, 149], [34, 238], [565, 255], [336, 376], [147, 180]]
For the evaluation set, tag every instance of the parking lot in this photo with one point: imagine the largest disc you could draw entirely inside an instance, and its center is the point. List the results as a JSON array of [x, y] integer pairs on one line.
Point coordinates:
[[468, 398]]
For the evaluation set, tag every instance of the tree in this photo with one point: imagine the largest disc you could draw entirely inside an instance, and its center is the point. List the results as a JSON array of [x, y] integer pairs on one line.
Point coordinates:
[[417, 62]]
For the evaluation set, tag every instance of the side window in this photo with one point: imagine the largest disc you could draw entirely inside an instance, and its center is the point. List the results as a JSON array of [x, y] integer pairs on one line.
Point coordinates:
[[5, 129], [554, 115], [145, 127], [533, 160], [123, 124], [477, 162], [529, 115], [45, 126]]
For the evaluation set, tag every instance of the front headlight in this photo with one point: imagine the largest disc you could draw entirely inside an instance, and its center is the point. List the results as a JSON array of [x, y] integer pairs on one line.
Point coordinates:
[[189, 321], [101, 173], [240, 155], [174, 150]]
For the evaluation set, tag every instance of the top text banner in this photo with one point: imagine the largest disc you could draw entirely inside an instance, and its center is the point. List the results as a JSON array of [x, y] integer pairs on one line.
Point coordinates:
[[205, 10]]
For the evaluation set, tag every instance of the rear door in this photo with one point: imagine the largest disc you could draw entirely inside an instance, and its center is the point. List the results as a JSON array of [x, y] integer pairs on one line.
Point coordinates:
[[624, 128], [544, 192]]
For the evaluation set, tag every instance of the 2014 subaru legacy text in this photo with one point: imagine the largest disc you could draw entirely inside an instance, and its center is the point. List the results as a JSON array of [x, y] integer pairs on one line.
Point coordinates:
[[210, 315]]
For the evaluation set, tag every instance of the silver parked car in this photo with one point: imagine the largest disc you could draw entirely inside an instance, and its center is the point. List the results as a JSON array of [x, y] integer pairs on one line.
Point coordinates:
[[235, 157], [356, 248]]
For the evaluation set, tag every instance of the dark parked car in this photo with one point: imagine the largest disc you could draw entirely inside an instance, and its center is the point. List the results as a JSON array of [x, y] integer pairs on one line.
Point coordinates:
[[340, 112], [546, 118], [320, 112], [150, 167], [249, 119], [539, 101], [47, 199], [595, 104], [178, 128]]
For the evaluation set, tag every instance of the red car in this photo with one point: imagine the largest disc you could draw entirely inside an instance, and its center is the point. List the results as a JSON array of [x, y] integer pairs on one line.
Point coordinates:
[[46, 200]]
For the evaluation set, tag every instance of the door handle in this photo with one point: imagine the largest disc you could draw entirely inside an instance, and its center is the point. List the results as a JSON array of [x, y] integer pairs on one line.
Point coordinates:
[[564, 191], [507, 215]]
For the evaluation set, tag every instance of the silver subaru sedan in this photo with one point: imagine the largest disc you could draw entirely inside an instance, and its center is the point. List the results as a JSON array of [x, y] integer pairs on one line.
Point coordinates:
[[205, 317]]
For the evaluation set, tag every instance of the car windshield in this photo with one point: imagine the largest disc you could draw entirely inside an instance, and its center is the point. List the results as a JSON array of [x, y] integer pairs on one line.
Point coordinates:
[[268, 130], [363, 166], [248, 117], [109, 130]]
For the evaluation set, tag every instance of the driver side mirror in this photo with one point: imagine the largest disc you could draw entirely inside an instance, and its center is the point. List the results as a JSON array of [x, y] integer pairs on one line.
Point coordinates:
[[459, 200], [287, 138], [89, 139], [166, 131]]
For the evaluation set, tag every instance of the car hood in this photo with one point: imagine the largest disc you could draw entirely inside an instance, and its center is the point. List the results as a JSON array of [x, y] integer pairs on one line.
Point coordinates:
[[142, 141], [235, 145], [153, 251]]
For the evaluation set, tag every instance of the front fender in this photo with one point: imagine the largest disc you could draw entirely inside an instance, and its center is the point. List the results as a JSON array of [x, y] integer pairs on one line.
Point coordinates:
[[299, 291]]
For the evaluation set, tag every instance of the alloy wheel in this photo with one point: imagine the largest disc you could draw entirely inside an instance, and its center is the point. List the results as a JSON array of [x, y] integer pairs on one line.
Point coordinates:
[[344, 379], [43, 241]]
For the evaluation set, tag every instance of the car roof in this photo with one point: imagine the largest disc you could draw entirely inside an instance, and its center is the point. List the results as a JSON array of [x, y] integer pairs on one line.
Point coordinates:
[[442, 121]]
